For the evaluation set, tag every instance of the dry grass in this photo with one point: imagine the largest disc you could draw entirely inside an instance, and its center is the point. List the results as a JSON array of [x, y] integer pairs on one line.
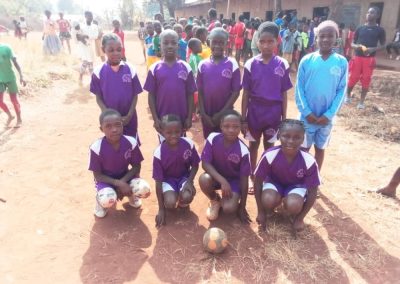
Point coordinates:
[[381, 116]]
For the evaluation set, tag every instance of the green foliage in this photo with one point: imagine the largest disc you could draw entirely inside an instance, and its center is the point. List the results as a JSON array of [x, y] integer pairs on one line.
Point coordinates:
[[23, 7]]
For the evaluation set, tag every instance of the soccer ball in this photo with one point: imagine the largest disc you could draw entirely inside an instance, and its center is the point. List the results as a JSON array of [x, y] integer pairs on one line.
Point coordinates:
[[215, 240], [106, 197], [140, 187]]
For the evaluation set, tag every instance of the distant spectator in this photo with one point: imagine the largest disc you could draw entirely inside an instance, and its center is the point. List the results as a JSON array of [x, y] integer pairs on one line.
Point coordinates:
[[119, 32], [51, 42], [212, 14], [17, 29], [64, 27], [394, 45], [142, 35], [24, 27]]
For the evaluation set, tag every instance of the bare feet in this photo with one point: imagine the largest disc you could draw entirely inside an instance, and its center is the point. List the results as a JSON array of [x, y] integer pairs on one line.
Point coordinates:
[[19, 123], [10, 118], [387, 191], [298, 225]]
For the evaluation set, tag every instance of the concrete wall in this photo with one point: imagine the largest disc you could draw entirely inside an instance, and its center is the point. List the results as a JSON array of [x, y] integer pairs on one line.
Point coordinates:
[[258, 8]]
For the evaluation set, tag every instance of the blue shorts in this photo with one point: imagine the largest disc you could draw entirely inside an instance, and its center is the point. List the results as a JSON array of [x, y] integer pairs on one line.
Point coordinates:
[[173, 184], [285, 191], [317, 134]]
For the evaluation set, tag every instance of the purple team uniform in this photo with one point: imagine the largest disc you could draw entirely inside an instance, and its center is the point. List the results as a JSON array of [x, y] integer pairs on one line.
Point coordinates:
[[117, 90], [232, 162], [171, 86], [274, 169], [172, 166], [217, 82], [113, 163], [265, 83]]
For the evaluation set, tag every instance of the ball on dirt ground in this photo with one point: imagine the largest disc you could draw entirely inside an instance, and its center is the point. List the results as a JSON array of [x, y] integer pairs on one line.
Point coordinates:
[[107, 197], [215, 240], [140, 187]]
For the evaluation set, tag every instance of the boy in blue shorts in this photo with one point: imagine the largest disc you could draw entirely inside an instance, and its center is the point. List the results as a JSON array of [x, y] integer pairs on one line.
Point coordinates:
[[321, 88]]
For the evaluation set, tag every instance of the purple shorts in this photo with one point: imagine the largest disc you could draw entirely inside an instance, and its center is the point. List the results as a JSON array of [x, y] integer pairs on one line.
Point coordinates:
[[264, 120], [174, 184], [100, 185], [234, 183], [299, 189]]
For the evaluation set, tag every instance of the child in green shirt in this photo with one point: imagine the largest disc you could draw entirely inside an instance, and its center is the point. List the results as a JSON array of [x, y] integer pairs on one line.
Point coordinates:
[[194, 45]]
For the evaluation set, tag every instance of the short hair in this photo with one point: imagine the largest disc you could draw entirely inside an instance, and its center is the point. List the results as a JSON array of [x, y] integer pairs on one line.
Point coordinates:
[[212, 13], [178, 26], [241, 18], [269, 27], [291, 122], [108, 112], [219, 32], [109, 37], [230, 112], [188, 28], [200, 30], [168, 32], [377, 10], [87, 13], [141, 24], [170, 118], [326, 24], [193, 42]]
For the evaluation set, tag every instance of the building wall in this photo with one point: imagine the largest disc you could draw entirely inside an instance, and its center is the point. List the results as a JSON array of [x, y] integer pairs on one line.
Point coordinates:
[[258, 8]]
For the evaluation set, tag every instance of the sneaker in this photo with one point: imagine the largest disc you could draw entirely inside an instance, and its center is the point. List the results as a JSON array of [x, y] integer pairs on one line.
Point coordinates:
[[99, 211], [213, 209], [135, 202], [347, 100], [360, 106]]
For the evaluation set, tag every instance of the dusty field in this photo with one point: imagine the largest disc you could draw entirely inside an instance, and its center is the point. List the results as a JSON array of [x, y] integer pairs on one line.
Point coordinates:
[[48, 233]]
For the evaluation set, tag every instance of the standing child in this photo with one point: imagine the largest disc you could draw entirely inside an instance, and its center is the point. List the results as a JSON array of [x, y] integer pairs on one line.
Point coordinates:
[[156, 38], [231, 41], [182, 44], [239, 28], [218, 83], [194, 60], [142, 34], [24, 27], [8, 81], [170, 84], [265, 83], [201, 34], [288, 175], [289, 40], [64, 28], [248, 35], [321, 88], [175, 164], [116, 85], [151, 55], [119, 32], [226, 162], [110, 159]]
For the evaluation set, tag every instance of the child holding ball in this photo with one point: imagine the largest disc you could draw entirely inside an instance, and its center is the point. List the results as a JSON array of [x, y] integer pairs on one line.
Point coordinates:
[[286, 174], [110, 159], [226, 162], [175, 164], [218, 82], [116, 84]]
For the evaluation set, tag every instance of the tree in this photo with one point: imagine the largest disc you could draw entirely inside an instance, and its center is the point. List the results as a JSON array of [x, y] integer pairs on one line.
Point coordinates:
[[126, 14], [277, 6], [23, 7], [214, 4]]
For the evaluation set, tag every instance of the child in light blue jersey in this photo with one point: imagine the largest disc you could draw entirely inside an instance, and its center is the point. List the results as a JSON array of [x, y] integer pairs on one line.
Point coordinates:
[[321, 88]]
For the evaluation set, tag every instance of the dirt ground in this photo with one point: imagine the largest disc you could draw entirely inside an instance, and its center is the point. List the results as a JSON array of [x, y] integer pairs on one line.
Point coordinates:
[[48, 233]]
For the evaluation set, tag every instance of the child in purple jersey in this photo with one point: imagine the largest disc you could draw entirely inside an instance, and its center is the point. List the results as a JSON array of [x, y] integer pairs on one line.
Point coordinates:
[[170, 84], [175, 164], [226, 163], [286, 174], [116, 84], [218, 83], [110, 159], [265, 84]]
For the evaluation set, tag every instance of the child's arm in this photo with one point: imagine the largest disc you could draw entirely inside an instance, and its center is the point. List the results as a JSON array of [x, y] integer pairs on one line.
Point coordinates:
[[261, 218], [160, 217], [100, 103], [225, 186], [121, 186], [338, 100], [133, 172], [245, 102], [21, 78], [244, 188], [190, 103], [207, 119], [301, 100], [284, 105], [152, 106], [311, 197], [127, 118]]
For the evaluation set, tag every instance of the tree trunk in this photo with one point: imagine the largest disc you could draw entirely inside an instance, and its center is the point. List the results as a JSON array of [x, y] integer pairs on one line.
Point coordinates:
[[161, 2], [214, 4], [334, 10], [278, 6]]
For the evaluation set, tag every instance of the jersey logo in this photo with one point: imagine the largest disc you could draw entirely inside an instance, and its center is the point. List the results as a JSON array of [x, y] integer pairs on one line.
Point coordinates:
[[234, 158], [279, 71], [187, 154], [126, 78], [182, 75], [300, 173], [226, 73], [335, 70], [128, 154]]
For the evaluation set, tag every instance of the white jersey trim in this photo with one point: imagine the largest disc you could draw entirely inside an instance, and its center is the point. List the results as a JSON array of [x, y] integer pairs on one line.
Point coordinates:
[[189, 141], [308, 159], [271, 155], [132, 140], [247, 65], [96, 146], [235, 65], [157, 152], [243, 149], [211, 137]]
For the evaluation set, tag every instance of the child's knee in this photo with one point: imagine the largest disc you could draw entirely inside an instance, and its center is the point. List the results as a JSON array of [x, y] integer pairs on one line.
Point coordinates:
[[270, 199], [294, 204], [205, 181], [170, 199], [230, 205], [186, 196]]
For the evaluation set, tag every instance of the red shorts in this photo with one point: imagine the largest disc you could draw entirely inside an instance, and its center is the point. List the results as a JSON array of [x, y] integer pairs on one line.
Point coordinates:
[[361, 69], [239, 43]]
